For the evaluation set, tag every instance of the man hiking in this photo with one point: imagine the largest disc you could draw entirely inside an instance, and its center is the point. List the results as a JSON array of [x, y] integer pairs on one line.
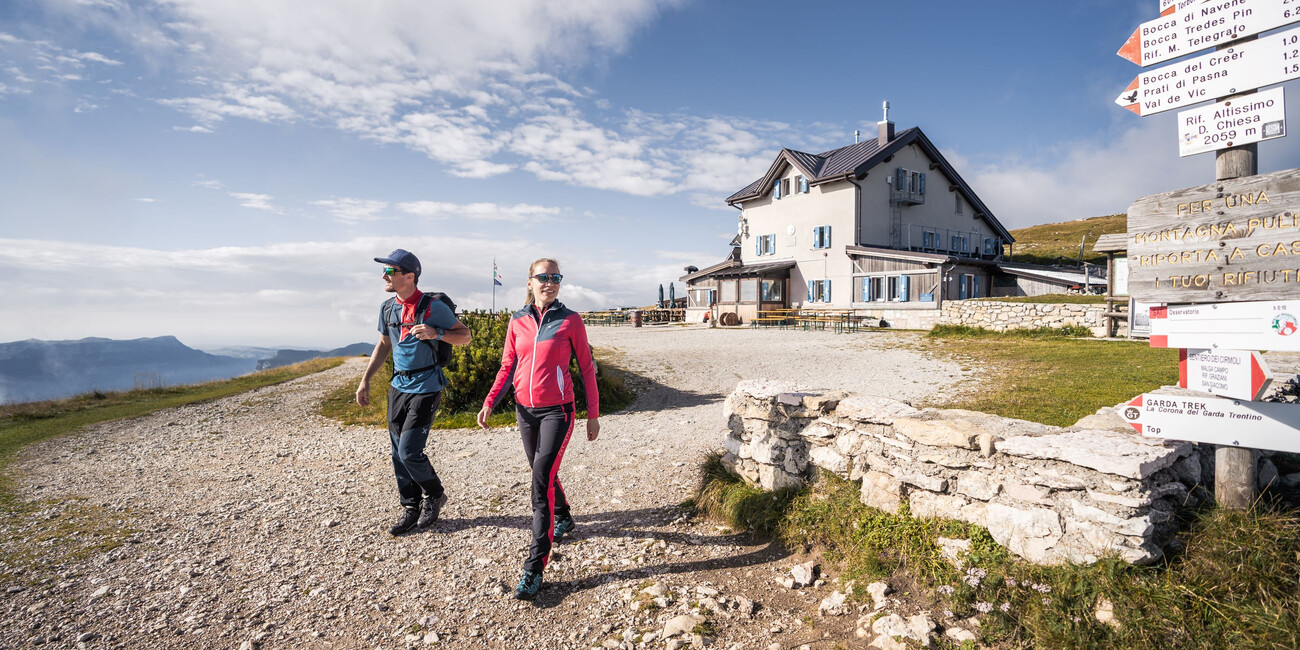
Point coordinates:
[[410, 325]]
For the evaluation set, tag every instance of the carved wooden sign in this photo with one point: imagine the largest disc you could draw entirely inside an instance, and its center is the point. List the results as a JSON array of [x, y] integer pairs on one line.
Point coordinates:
[[1228, 241]]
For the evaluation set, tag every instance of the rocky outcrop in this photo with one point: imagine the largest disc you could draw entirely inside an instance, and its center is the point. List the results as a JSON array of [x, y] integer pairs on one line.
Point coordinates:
[[1048, 494]]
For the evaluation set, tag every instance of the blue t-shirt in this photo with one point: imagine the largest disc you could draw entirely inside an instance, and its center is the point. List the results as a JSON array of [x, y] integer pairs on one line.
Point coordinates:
[[410, 352]]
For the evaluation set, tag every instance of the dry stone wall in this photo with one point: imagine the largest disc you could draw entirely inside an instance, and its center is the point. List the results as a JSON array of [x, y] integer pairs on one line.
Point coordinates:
[[1049, 494], [1001, 316]]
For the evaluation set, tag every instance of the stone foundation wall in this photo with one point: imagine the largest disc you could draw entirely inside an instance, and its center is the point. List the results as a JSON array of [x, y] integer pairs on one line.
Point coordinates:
[[1049, 494], [1002, 316]]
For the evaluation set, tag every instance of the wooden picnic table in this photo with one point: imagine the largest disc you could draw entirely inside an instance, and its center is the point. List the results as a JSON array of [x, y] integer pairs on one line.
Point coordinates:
[[774, 318], [841, 320]]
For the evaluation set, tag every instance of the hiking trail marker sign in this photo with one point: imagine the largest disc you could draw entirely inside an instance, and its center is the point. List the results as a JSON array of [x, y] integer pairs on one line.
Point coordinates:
[[1233, 240], [1267, 325], [1233, 423], [1232, 122], [1238, 374], [1241, 68], [1198, 26]]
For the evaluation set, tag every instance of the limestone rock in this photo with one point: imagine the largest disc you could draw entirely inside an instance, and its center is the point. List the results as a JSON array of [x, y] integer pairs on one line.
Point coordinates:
[[1027, 532], [830, 460], [1106, 451], [682, 624], [876, 410], [805, 574], [834, 605], [878, 591], [928, 505], [1106, 418], [959, 432], [954, 549], [978, 485], [881, 491]]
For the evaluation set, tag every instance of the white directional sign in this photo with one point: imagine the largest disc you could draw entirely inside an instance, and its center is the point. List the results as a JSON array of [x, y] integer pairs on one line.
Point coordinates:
[[1231, 123], [1170, 6], [1272, 59], [1263, 325], [1255, 425], [1239, 374], [1199, 26]]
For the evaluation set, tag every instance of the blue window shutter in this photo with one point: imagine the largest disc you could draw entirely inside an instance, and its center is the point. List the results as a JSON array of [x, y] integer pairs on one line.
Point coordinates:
[[900, 179], [922, 189], [826, 290], [771, 244], [758, 246], [810, 290], [962, 283], [826, 238], [977, 287], [904, 288]]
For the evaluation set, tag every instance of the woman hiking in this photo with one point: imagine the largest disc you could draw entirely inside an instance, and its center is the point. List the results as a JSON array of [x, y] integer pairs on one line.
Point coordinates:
[[541, 340]]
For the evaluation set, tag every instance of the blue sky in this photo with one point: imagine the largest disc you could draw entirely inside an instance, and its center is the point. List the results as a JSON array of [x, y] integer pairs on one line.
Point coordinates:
[[225, 171]]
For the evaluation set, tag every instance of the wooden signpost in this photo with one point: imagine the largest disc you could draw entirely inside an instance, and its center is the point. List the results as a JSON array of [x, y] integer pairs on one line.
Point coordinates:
[[1236, 69], [1227, 422], [1198, 26], [1236, 240], [1231, 240], [1238, 374]]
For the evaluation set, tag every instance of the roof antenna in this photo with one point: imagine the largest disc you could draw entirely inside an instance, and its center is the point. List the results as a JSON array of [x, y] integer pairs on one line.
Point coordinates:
[[885, 105], [856, 134]]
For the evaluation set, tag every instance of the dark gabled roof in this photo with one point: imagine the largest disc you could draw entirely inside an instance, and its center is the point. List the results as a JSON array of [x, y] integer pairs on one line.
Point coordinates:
[[855, 160], [733, 268]]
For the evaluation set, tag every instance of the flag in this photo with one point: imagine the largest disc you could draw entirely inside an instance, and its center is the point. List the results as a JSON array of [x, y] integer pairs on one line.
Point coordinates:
[[496, 277]]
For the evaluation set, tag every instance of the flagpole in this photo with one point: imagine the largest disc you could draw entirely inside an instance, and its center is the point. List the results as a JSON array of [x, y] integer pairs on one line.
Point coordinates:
[[494, 285]]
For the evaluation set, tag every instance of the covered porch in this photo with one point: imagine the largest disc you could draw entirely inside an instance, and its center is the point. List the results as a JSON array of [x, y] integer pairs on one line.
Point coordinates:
[[736, 288]]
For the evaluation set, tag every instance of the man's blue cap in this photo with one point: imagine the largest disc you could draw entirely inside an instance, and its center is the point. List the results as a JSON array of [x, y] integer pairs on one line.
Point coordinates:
[[404, 259]]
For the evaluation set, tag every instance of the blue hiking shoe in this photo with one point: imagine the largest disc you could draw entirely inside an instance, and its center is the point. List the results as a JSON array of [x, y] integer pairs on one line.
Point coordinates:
[[562, 528], [529, 585]]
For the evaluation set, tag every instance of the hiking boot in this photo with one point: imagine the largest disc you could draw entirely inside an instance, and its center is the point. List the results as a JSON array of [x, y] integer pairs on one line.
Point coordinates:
[[562, 527], [430, 509], [406, 522], [529, 585]]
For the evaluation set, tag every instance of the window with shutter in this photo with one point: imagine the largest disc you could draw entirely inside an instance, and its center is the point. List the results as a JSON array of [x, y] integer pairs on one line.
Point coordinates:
[[810, 290], [962, 281], [785, 187], [826, 290], [921, 186]]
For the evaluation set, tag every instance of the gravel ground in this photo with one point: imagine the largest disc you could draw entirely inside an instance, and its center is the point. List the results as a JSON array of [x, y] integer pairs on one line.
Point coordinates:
[[254, 522]]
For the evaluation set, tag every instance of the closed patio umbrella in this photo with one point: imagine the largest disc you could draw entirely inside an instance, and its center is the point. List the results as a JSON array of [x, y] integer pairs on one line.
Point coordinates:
[[661, 296], [672, 295]]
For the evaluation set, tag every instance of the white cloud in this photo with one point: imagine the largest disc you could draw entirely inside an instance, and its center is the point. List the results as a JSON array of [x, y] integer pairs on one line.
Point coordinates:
[[253, 294], [146, 200], [255, 201], [96, 57], [192, 129], [519, 212], [209, 183], [353, 210]]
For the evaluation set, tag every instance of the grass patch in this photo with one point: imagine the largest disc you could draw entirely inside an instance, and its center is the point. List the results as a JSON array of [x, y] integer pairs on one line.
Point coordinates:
[[38, 534], [1052, 299], [968, 332], [340, 403], [1044, 376], [727, 497], [1051, 243], [1233, 585]]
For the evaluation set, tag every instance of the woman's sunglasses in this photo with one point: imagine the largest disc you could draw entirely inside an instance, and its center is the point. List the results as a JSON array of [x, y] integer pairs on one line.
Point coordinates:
[[553, 278]]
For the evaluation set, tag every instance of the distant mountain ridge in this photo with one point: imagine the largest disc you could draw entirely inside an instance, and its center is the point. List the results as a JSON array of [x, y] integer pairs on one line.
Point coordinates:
[[34, 370], [288, 357]]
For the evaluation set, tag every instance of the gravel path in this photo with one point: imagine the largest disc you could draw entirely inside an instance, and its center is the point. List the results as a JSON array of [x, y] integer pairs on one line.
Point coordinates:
[[254, 522]]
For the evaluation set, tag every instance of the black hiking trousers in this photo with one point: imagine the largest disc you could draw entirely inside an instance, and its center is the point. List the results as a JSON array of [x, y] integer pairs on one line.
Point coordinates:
[[545, 432]]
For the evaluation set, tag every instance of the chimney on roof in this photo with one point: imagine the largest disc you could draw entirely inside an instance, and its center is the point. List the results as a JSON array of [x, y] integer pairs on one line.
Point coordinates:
[[886, 128]]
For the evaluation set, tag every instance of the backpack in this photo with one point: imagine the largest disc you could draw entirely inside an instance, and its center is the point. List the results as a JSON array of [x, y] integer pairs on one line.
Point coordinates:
[[441, 349]]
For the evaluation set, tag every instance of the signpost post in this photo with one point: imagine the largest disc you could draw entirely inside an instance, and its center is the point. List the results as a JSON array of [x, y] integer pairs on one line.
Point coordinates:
[[1231, 70], [1226, 242]]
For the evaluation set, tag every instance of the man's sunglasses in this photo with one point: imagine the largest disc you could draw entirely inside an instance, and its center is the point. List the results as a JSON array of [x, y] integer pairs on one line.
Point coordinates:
[[393, 270], [553, 278]]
